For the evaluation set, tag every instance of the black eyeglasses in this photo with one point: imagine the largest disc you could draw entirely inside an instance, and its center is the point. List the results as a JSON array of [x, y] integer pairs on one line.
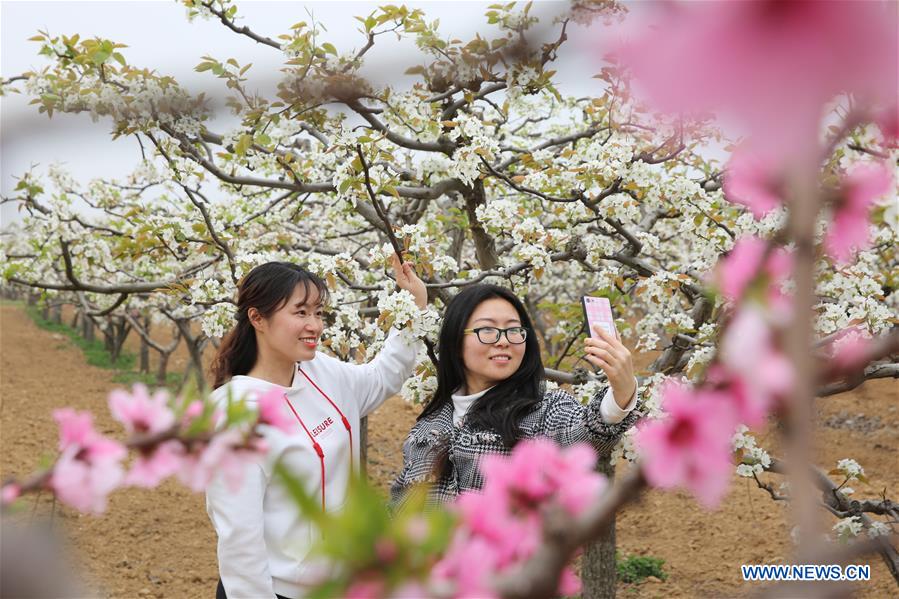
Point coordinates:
[[491, 335]]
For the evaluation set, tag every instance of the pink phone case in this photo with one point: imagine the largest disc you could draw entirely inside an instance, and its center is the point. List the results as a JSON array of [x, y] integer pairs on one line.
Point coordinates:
[[598, 310]]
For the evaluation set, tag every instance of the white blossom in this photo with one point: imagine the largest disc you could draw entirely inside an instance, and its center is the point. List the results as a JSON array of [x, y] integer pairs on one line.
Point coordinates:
[[848, 528]]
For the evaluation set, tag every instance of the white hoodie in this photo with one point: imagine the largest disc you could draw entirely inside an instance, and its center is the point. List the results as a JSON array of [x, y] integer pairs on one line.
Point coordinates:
[[263, 540]]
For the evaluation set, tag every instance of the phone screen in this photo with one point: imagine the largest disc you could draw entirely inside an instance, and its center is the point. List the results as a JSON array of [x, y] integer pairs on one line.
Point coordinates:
[[598, 310]]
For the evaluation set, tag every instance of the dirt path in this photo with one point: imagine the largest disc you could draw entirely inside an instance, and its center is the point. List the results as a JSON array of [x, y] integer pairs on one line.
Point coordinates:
[[160, 544]]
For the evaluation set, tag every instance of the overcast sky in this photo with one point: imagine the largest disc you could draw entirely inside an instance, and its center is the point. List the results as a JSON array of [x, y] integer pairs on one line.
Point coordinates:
[[159, 36]]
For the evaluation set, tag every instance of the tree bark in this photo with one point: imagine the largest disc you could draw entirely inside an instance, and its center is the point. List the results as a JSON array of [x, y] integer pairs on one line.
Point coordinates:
[[599, 572], [144, 366], [363, 448], [88, 327], [162, 369]]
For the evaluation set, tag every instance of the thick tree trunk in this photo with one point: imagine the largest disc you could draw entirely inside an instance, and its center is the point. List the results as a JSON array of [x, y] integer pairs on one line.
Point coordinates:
[[56, 314], [120, 329], [162, 369], [87, 328], [598, 570]]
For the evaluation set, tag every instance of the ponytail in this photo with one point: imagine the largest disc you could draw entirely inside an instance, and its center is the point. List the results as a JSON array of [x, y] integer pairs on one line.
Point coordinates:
[[236, 354]]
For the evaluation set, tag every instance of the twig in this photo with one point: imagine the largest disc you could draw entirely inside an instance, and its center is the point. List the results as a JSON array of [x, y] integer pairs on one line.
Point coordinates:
[[388, 228]]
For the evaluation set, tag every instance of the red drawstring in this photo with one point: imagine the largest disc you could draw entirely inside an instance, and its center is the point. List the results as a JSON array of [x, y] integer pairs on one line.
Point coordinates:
[[346, 423], [315, 446], [318, 448]]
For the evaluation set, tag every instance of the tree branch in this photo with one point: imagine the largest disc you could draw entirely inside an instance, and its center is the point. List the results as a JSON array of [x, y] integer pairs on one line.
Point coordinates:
[[241, 30]]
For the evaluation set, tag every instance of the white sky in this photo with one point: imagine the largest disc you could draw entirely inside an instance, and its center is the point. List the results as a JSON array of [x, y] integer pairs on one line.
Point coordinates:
[[159, 36]]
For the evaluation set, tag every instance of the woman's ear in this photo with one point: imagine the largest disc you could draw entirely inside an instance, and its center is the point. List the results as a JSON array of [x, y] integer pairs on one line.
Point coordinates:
[[256, 319]]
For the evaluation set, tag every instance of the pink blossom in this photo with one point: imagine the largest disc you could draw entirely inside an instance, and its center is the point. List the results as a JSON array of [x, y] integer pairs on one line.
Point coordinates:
[[274, 411], [850, 350], [75, 428], [160, 463], [469, 563], [747, 57], [10, 493], [888, 123], [90, 467], [226, 454], [86, 484], [365, 589], [753, 181], [540, 469], [690, 447], [744, 264], [501, 526], [194, 410], [740, 266], [141, 413], [849, 230], [750, 404], [569, 584], [748, 351]]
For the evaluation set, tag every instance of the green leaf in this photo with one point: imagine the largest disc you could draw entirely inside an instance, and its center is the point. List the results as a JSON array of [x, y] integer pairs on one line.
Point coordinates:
[[245, 141], [100, 56], [329, 48]]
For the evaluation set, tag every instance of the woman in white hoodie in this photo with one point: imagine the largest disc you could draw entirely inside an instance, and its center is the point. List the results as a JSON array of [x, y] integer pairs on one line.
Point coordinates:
[[263, 540]]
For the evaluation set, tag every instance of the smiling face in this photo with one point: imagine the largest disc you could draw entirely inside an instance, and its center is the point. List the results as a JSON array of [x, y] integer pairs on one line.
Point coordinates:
[[489, 364], [293, 331]]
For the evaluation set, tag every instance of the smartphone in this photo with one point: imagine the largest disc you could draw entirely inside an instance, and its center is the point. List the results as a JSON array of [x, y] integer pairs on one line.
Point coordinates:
[[598, 310]]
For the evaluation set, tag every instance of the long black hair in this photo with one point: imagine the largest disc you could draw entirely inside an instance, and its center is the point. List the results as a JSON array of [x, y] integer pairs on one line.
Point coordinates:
[[266, 288], [502, 407]]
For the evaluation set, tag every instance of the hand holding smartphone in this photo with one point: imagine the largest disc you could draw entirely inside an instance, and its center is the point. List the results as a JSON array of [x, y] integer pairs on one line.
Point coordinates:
[[598, 311]]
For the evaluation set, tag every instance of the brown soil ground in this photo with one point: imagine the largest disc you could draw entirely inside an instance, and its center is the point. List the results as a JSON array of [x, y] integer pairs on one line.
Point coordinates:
[[159, 543]]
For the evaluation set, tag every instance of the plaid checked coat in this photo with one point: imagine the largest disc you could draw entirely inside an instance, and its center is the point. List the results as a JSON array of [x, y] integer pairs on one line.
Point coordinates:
[[559, 417]]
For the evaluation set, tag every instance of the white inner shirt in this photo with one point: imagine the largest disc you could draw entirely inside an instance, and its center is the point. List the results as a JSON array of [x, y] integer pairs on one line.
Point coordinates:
[[609, 409]]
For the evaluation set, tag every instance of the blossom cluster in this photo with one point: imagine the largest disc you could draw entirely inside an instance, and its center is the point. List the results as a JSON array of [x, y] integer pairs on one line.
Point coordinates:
[[501, 525], [189, 439]]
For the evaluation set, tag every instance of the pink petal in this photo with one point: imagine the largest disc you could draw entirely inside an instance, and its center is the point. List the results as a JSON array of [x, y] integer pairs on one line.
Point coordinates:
[[849, 231], [752, 182]]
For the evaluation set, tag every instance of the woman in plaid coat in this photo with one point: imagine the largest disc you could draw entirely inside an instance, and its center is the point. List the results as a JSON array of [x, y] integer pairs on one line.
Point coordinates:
[[491, 394]]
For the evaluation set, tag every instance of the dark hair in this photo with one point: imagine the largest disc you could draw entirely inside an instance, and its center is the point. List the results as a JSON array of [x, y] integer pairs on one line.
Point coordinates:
[[266, 288], [503, 406]]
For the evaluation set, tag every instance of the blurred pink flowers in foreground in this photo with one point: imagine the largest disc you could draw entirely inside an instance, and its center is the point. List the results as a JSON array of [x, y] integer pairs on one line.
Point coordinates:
[[90, 466], [770, 64], [690, 446], [849, 232], [749, 261], [501, 525]]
